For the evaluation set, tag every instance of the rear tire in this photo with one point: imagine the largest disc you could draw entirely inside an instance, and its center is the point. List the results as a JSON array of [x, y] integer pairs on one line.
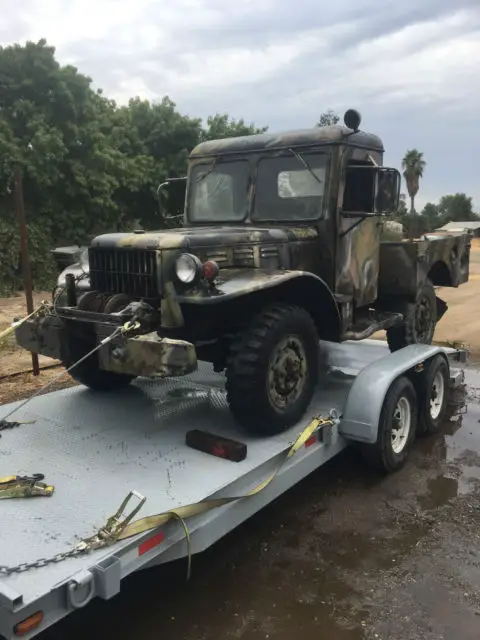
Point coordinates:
[[433, 394], [418, 326], [396, 428], [272, 369]]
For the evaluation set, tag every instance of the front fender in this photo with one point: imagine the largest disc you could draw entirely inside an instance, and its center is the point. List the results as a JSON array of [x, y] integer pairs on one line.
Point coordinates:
[[234, 283]]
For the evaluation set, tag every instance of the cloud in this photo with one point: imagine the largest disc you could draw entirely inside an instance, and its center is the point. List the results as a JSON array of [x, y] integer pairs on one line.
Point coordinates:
[[411, 68]]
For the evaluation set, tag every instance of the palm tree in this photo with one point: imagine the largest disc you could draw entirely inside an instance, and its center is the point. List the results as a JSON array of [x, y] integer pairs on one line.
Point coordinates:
[[413, 165]]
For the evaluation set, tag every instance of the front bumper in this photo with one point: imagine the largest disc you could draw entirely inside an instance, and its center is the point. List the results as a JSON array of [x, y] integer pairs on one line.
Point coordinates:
[[148, 355]]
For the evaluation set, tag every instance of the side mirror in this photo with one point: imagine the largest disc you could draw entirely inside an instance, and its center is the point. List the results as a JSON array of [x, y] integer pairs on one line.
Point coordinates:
[[387, 191], [175, 196]]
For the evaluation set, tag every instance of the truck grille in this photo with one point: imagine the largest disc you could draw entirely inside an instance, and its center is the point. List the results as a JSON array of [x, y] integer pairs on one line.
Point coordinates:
[[130, 271]]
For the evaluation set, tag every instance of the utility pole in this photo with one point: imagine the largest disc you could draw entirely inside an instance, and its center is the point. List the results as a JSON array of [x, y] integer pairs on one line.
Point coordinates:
[[26, 272]]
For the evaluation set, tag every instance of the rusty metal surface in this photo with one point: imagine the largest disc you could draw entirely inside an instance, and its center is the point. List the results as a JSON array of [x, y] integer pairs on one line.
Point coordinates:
[[444, 259], [301, 138], [149, 355]]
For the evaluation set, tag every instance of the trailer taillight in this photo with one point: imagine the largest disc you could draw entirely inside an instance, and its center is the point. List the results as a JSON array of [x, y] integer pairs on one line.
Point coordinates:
[[216, 445], [29, 624]]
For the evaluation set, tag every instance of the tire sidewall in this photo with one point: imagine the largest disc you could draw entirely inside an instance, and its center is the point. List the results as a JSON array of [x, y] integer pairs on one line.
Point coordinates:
[[247, 376], [428, 425], [292, 327], [392, 461]]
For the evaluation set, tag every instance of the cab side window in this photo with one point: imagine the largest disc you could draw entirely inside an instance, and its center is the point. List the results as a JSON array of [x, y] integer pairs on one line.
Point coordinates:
[[359, 192]]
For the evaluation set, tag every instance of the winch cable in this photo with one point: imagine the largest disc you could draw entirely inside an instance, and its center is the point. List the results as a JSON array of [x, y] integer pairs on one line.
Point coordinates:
[[126, 328]]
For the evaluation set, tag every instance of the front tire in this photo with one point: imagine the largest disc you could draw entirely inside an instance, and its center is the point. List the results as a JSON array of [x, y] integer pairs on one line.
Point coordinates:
[[396, 428], [418, 326], [88, 371], [272, 369]]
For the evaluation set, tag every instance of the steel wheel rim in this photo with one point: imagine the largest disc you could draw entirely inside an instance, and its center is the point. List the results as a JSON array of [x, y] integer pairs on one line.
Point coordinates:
[[437, 395], [402, 422], [287, 372]]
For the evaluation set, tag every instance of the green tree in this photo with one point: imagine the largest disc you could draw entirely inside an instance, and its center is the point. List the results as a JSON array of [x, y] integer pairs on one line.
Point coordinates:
[[431, 216], [457, 207], [328, 118], [413, 166], [221, 126], [402, 210], [88, 165]]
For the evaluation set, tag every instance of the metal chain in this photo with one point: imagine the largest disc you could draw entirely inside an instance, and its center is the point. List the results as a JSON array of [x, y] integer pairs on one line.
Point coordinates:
[[4, 424], [42, 562]]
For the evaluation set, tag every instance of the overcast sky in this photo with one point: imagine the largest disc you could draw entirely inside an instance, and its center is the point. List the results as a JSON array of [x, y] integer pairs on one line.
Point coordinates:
[[411, 68]]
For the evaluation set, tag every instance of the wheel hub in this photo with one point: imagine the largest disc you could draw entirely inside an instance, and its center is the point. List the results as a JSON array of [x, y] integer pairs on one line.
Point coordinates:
[[287, 372], [437, 395], [402, 417]]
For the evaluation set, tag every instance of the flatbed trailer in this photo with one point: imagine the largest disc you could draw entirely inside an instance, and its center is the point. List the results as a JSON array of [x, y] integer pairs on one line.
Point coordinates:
[[95, 449]]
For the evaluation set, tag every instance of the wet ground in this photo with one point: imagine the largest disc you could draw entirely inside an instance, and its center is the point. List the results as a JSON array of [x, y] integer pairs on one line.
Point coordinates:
[[345, 555]]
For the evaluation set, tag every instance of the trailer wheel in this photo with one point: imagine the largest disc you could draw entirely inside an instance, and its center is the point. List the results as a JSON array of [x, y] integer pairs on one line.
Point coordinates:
[[418, 326], [433, 394], [396, 428], [272, 369]]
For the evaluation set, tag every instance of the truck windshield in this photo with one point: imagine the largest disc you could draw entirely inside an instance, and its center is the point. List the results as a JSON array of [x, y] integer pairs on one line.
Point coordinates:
[[218, 191], [287, 190]]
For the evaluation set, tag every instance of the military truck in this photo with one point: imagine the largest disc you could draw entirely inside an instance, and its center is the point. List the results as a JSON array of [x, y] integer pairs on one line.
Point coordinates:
[[280, 251]]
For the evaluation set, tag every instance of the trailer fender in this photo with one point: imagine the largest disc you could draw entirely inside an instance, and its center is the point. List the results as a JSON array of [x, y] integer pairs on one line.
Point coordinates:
[[360, 418]]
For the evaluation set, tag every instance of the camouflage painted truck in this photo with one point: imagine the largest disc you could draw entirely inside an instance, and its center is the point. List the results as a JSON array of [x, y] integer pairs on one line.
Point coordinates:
[[281, 246]]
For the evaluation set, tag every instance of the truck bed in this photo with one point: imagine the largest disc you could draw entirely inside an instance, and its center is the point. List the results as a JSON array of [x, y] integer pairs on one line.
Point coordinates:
[[96, 448]]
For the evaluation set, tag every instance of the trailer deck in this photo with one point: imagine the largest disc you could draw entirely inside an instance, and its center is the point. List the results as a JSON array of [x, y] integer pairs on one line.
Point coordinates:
[[96, 448]]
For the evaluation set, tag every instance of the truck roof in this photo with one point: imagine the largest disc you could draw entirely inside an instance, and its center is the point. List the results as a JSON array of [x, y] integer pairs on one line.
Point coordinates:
[[314, 136]]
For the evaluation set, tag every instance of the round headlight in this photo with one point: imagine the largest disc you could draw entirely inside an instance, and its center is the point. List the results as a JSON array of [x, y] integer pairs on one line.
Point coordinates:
[[188, 268]]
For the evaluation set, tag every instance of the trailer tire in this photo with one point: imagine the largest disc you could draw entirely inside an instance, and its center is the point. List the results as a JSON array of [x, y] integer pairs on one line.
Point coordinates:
[[433, 396], [264, 400], [418, 326], [390, 451]]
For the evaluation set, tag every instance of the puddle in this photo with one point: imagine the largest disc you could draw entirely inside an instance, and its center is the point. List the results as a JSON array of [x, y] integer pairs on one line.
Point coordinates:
[[439, 491]]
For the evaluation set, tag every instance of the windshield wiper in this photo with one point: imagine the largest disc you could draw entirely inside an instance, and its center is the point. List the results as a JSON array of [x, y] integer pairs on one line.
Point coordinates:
[[202, 176], [305, 164]]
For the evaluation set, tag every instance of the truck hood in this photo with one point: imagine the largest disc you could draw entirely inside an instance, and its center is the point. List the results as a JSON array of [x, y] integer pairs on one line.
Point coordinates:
[[198, 237]]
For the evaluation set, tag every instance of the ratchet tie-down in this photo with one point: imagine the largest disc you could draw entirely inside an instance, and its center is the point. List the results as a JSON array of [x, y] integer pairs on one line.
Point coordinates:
[[16, 486], [24, 487]]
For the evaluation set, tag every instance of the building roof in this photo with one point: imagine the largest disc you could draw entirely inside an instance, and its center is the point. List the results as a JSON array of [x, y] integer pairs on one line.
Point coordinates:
[[450, 226], [334, 134]]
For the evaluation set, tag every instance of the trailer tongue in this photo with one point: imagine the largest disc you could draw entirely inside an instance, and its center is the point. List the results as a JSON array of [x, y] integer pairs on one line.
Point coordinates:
[[173, 447]]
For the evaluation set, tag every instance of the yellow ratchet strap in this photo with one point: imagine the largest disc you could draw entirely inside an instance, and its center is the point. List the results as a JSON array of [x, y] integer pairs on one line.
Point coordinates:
[[188, 511], [11, 329], [24, 487]]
